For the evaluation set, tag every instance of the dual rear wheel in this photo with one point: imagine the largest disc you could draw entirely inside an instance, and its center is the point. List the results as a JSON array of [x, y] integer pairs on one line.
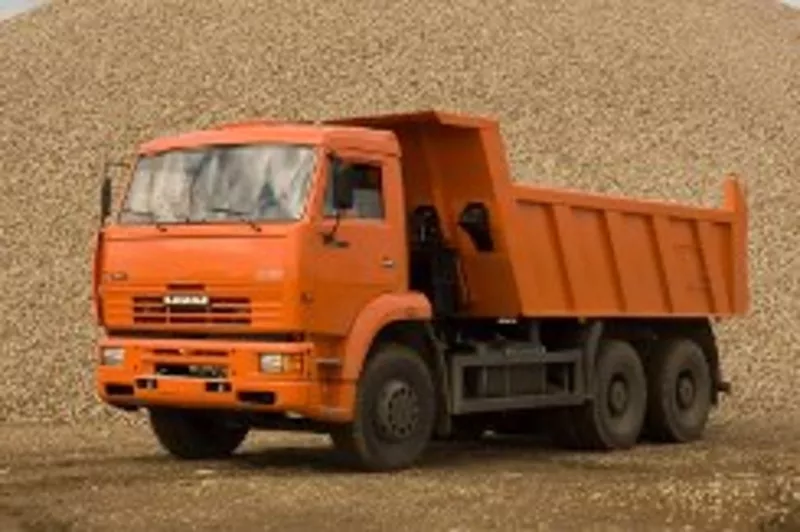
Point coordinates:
[[666, 398]]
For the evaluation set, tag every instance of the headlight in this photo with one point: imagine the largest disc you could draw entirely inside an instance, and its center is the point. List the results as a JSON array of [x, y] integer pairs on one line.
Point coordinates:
[[280, 363], [270, 362], [112, 356]]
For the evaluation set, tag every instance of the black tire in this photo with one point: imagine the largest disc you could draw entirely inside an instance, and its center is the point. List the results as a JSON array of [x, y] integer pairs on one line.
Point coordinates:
[[394, 415], [196, 435], [680, 388], [614, 418]]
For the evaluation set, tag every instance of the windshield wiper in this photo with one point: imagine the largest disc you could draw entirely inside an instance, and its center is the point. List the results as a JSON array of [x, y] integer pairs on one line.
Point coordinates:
[[243, 216]]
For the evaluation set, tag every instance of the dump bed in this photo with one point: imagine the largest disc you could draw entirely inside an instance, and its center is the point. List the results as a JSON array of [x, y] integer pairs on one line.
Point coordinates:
[[563, 252]]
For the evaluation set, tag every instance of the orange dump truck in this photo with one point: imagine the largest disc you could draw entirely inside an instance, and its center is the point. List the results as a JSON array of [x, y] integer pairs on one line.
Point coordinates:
[[384, 281]]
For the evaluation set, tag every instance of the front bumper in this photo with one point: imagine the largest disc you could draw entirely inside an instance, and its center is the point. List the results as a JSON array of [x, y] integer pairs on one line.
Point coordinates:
[[307, 388]]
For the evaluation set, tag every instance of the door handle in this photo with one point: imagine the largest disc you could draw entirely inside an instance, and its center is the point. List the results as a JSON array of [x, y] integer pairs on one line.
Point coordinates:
[[387, 262]]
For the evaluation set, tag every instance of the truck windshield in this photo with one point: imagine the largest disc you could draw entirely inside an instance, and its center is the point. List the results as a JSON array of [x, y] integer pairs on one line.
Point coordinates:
[[260, 182]]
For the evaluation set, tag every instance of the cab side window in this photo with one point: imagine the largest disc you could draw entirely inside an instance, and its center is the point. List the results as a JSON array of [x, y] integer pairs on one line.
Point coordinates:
[[368, 194]]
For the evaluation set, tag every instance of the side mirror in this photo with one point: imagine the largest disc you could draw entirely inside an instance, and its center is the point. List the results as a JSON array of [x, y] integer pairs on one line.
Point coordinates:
[[343, 188], [105, 199], [106, 190]]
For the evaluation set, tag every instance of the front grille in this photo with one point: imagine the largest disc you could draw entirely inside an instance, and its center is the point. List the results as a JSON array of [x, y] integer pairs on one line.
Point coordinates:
[[195, 371], [219, 310]]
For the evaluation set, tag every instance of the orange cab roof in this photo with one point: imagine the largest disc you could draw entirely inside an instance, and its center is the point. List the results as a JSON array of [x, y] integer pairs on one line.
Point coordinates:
[[264, 131]]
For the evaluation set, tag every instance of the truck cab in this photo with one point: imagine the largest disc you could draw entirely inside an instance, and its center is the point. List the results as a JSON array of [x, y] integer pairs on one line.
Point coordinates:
[[236, 245]]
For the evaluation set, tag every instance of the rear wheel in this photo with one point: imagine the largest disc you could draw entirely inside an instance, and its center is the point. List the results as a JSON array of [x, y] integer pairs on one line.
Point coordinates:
[[680, 385], [613, 419], [195, 434], [395, 412]]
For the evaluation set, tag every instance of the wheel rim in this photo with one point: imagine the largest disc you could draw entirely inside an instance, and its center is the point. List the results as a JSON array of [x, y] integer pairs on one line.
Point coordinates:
[[618, 396], [398, 411], [685, 390]]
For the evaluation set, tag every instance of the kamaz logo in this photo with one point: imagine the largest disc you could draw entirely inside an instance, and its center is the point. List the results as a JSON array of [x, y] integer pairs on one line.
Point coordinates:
[[185, 300]]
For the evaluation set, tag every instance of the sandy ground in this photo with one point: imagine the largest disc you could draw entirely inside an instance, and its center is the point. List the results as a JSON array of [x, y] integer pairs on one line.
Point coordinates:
[[104, 477]]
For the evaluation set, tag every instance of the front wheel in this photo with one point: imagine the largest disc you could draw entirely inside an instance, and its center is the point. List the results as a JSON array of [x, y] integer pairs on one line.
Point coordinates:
[[196, 435], [394, 413]]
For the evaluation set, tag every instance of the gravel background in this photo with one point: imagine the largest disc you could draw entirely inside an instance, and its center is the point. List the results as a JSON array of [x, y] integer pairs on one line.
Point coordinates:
[[637, 97]]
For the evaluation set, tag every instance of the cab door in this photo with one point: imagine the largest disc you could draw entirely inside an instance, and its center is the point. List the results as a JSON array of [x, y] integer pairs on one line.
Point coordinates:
[[366, 253]]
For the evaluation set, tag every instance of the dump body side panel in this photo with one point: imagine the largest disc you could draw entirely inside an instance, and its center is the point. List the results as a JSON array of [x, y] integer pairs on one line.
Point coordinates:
[[565, 252], [593, 255]]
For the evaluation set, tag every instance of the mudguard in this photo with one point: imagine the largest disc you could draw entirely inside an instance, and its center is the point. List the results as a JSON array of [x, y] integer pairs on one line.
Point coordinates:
[[381, 311]]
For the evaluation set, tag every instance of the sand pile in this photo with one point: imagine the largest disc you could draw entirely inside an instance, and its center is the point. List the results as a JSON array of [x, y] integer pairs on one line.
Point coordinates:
[[646, 98]]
